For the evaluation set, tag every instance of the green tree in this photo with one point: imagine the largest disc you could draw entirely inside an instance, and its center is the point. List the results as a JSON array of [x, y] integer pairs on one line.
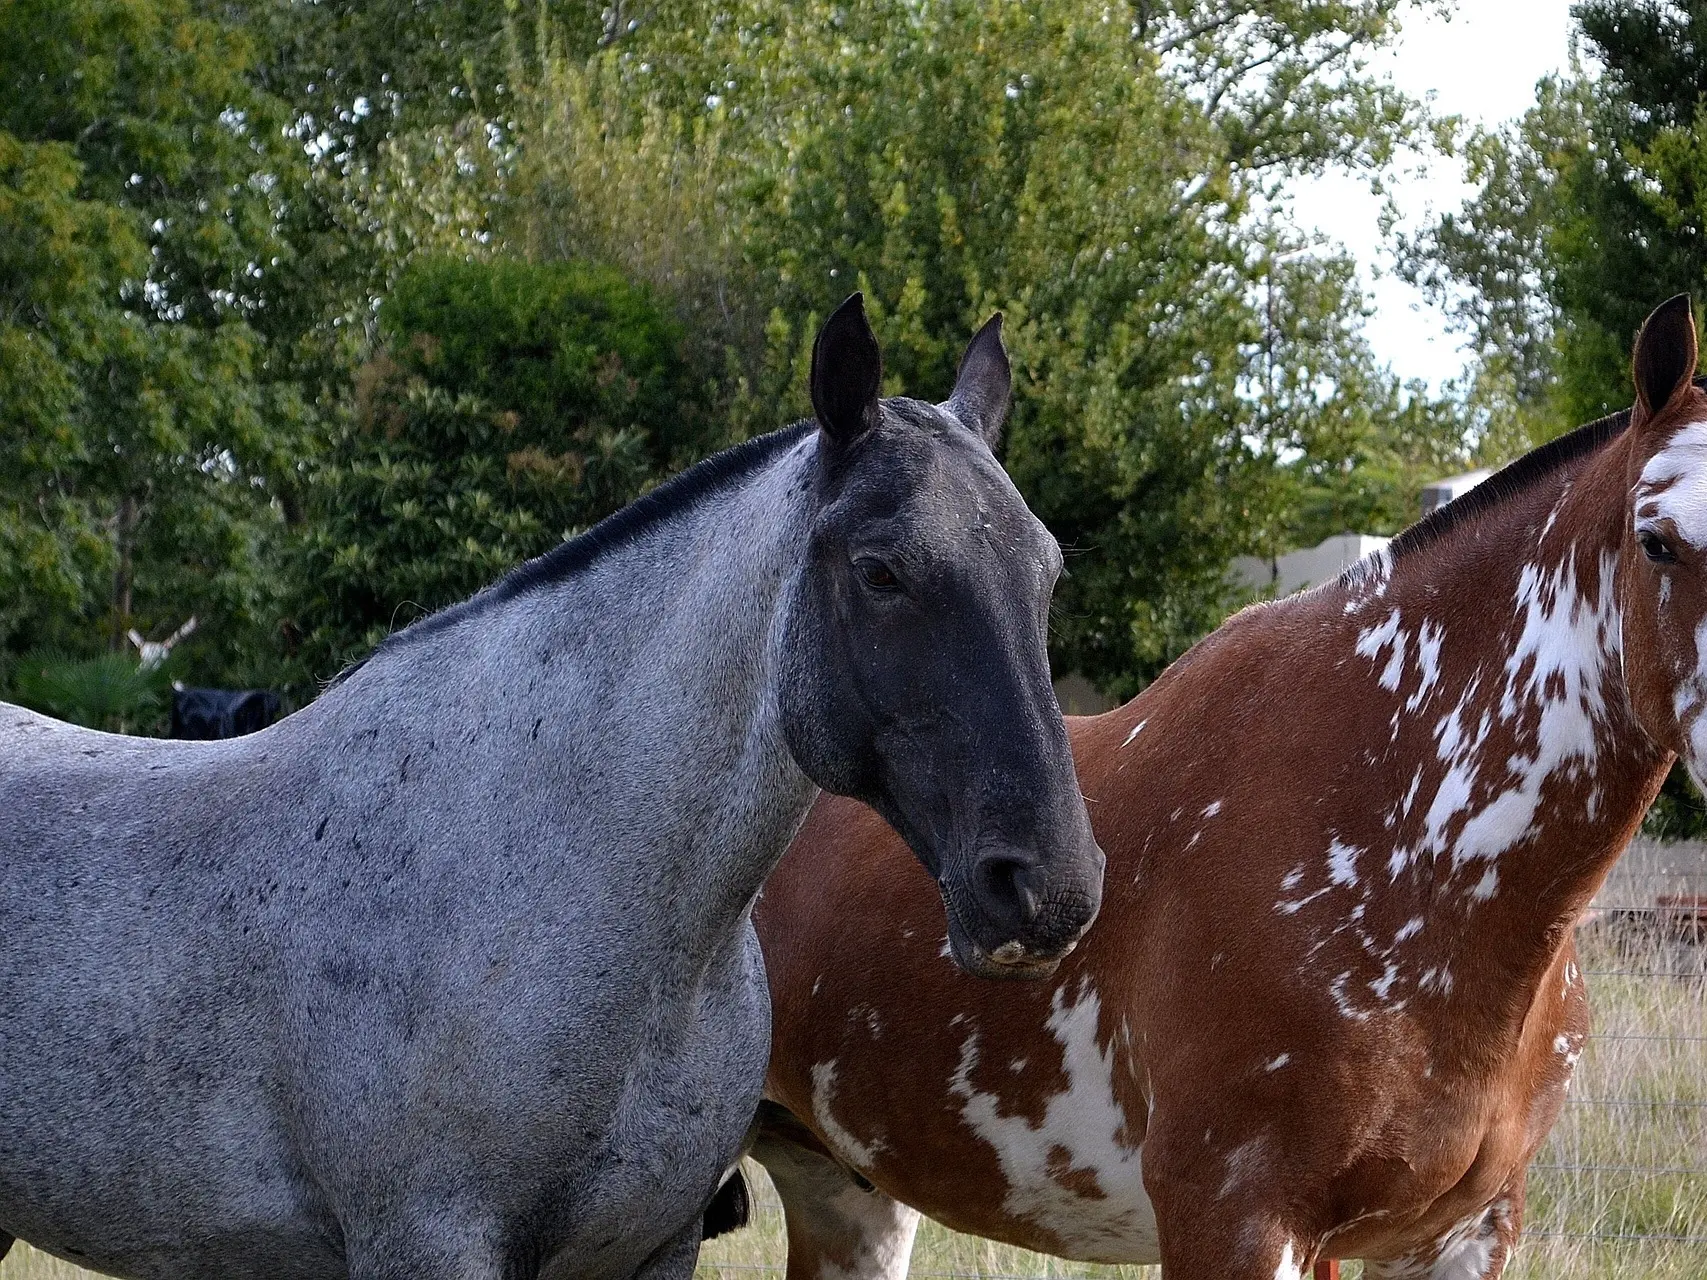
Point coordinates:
[[144, 420], [511, 406], [1091, 170], [1590, 211], [1351, 446]]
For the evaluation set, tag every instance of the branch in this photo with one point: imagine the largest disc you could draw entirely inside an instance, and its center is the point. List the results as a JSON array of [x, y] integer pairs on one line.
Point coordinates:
[[1309, 69], [1238, 74], [619, 26], [1203, 28]]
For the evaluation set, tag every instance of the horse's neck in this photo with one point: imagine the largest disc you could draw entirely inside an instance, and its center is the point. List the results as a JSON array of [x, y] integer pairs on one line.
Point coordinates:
[[1528, 771], [631, 708]]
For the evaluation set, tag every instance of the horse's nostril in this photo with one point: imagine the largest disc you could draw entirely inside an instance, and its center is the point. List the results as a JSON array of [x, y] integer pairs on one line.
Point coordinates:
[[1007, 881]]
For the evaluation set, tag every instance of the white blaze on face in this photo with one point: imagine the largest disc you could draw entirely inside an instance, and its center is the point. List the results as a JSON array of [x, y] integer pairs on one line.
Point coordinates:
[[1083, 1133], [1671, 501], [1290, 1268], [1673, 487]]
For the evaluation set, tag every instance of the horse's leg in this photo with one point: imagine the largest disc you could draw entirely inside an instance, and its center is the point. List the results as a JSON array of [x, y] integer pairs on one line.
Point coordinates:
[[836, 1225], [1230, 1210], [1474, 1250]]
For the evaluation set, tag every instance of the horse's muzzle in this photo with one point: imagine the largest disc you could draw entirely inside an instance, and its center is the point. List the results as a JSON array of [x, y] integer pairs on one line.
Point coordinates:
[[1015, 916]]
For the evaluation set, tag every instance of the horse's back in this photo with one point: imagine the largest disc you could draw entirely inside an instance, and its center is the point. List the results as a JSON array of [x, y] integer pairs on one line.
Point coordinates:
[[133, 1085]]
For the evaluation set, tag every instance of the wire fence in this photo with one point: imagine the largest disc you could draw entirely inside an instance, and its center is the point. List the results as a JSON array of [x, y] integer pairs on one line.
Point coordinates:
[[1619, 1189], [1621, 1186]]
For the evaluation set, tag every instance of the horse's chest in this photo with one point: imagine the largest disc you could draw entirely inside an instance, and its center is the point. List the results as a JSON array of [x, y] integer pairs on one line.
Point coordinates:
[[691, 1097], [1035, 1142]]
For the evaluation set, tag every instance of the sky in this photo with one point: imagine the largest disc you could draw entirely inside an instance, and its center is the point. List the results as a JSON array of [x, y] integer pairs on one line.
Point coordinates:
[[1482, 65]]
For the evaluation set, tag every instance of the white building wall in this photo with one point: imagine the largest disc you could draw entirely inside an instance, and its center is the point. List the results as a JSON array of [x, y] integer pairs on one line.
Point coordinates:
[[1307, 568]]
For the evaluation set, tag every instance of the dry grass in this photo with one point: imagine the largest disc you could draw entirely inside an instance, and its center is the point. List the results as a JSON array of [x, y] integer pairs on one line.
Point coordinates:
[[1612, 1184]]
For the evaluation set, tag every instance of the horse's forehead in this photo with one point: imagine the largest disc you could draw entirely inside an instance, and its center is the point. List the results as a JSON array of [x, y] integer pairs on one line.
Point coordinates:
[[1673, 483], [944, 484]]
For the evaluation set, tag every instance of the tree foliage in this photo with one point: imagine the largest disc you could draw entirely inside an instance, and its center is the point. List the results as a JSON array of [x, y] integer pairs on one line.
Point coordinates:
[[1090, 171], [1589, 211], [316, 313], [511, 406], [141, 411]]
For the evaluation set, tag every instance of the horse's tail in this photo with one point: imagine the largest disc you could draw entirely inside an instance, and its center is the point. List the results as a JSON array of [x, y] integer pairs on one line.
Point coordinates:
[[729, 1209]]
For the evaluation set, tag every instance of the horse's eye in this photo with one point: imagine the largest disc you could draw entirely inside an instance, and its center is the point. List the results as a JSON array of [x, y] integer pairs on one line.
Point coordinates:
[[876, 574], [1655, 548]]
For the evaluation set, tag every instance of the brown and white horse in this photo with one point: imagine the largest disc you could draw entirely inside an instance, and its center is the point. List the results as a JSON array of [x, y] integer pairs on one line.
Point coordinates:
[[1332, 1006]]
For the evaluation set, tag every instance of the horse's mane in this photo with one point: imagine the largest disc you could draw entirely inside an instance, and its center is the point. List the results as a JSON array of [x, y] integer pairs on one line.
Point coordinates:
[[616, 530], [1509, 481]]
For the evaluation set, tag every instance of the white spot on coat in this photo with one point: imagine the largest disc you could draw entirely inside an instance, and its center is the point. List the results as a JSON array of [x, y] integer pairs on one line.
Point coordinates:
[[1674, 485], [1342, 863], [1086, 1122], [862, 1155], [1372, 640]]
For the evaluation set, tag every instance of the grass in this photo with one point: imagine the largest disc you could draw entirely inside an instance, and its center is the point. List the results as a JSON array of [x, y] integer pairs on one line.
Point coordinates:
[[1625, 1167]]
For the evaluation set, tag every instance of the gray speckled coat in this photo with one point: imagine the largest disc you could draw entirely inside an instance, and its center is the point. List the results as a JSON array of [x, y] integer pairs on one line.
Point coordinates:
[[450, 974]]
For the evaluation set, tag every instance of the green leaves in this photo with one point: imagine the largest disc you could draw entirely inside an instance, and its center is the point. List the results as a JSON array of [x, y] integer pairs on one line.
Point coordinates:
[[142, 180], [1283, 82], [512, 406], [1590, 210], [313, 316], [109, 692], [1088, 170]]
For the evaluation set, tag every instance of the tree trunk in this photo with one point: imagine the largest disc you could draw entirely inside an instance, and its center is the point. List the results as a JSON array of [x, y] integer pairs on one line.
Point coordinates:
[[124, 535]]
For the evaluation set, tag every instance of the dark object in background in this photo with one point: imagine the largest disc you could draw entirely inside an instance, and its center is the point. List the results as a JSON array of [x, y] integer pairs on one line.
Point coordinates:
[[730, 1209], [221, 713]]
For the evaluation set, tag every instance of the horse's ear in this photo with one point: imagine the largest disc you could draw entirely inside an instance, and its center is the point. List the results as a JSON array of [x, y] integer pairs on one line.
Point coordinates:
[[847, 373], [1665, 356], [984, 383]]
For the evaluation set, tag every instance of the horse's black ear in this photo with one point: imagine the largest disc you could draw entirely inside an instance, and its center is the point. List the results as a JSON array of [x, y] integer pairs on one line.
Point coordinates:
[[847, 373], [984, 383], [1665, 354]]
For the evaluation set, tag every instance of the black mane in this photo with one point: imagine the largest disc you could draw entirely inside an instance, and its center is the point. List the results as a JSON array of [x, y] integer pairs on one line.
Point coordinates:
[[615, 530], [1510, 480]]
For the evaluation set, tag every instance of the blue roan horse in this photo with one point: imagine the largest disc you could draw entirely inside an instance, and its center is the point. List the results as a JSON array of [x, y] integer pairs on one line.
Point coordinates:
[[450, 976]]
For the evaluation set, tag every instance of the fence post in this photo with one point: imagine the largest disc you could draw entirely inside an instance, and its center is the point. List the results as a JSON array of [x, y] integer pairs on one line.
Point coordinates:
[[1328, 1269]]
